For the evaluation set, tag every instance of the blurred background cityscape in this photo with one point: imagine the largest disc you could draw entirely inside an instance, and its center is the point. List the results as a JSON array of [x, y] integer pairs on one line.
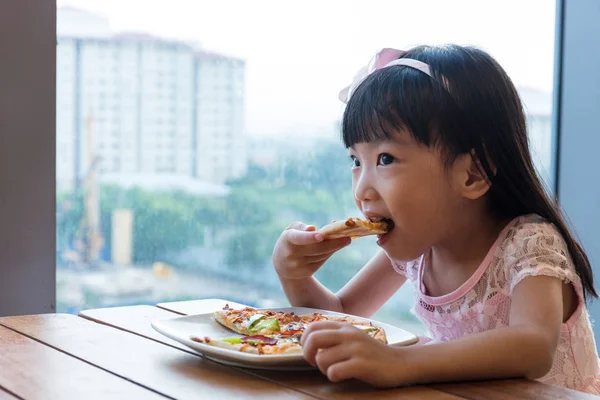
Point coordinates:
[[165, 193]]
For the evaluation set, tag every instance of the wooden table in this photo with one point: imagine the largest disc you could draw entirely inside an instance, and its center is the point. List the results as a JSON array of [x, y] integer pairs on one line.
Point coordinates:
[[115, 353]]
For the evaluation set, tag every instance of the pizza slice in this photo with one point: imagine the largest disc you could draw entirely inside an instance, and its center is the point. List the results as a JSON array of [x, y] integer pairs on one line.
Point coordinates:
[[356, 227], [270, 332], [250, 321], [257, 344], [374, 331]]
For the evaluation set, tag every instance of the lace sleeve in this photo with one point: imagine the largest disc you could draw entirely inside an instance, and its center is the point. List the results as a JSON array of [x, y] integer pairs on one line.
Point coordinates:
[[409, 269], [399, 267], [539, 250]]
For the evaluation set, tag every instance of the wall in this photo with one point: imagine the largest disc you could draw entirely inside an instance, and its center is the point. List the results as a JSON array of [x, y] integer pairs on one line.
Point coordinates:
[[27, 168]]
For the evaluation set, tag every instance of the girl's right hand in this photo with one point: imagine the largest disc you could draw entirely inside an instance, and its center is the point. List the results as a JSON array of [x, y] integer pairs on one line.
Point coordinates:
[[300, 251]]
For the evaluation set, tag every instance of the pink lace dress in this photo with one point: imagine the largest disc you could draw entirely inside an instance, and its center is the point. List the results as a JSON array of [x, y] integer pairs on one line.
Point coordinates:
[[528, 246]]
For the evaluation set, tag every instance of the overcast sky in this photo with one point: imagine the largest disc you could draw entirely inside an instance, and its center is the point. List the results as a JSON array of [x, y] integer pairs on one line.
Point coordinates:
[[300, 53]]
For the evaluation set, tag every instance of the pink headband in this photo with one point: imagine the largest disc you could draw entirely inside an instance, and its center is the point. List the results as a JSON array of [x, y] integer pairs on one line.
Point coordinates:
[[384, 58]]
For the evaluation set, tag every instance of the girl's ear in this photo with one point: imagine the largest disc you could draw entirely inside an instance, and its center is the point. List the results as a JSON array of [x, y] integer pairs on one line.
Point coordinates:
[[471, 180]]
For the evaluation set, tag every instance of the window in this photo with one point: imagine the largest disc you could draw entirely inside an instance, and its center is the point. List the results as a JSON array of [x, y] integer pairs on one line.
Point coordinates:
[[291, 100]]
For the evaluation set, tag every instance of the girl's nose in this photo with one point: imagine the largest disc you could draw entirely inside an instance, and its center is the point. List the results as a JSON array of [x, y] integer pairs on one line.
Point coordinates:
[[364, 189]]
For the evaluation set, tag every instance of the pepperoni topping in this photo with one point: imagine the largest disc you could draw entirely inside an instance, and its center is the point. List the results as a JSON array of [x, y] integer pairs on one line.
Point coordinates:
[[291, 332]]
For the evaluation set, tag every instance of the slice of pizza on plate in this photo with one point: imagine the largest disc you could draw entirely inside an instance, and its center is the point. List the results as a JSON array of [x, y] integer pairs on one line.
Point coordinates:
[[271, 332], [250, 321], [257, 344]]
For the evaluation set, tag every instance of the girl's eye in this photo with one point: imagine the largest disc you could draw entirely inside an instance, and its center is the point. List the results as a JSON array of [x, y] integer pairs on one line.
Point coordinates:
[[386, 159], [355, 162]]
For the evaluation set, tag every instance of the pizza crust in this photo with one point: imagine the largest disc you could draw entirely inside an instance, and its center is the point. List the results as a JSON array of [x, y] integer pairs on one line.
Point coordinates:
[[353, 227], [380, 336], [280, 348], [283, 348], [373, 331], [223, 320]]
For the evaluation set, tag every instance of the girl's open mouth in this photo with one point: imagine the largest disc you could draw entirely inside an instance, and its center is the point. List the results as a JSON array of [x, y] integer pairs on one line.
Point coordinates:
[[389, 224]]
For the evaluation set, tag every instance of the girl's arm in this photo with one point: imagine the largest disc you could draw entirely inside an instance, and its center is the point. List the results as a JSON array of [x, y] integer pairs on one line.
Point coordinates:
[[364, 294], [524, 349], [371, 287]]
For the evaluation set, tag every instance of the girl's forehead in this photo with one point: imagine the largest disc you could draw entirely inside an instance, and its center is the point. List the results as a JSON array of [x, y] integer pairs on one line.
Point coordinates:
[[399, 138]]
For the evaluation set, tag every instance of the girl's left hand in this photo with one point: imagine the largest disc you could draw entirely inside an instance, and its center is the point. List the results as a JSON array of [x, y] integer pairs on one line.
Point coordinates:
[[342, 351]]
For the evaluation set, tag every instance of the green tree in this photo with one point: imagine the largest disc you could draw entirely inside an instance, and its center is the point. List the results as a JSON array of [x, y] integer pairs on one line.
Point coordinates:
[[252, 247], [313, 186], [163, 222]]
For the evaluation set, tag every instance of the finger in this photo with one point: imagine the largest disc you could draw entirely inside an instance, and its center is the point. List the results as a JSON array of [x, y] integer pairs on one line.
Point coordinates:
[[347, 369], [302, 237], [319, 340], [330, 326], [301, 226], [316, 326], [325, 358]]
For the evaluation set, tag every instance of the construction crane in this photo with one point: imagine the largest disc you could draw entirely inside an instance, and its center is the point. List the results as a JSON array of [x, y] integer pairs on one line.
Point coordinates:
[[88, 240], [91, 235]]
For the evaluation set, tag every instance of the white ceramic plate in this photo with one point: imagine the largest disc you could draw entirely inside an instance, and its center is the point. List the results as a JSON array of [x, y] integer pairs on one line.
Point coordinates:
[[180, 329]]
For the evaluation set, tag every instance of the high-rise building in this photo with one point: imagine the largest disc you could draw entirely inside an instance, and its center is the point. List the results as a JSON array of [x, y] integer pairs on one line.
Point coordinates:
[[140, 105], [538, 111], [220, 147]]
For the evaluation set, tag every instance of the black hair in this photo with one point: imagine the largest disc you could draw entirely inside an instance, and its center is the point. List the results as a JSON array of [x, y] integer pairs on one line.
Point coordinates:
[[468, 105]]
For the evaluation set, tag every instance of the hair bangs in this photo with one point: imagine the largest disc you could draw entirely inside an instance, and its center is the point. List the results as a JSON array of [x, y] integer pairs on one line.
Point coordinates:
[[392, 100]]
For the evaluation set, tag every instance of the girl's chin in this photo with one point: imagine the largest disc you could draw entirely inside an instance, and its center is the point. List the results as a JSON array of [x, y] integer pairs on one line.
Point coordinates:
[[397, 251]]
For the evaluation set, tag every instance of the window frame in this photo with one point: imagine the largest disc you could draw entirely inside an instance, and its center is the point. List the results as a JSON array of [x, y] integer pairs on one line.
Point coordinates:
[[28, 195], [576, 106]]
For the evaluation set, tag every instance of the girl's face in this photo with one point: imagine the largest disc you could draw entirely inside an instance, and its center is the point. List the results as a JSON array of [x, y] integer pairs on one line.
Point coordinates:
[[407, 182]]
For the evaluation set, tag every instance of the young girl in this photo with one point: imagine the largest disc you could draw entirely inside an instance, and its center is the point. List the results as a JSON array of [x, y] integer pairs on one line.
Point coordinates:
[[438, 143]]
